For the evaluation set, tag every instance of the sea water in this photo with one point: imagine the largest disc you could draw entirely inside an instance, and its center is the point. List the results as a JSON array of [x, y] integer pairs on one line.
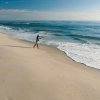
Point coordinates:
[[80, 40]]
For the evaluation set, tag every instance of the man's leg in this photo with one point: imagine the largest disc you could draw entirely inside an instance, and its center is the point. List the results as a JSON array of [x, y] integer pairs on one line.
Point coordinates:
[[37, 46], [34, 45]]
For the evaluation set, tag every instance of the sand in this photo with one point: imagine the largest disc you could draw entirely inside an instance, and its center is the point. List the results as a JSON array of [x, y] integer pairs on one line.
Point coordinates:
[[43, 74]]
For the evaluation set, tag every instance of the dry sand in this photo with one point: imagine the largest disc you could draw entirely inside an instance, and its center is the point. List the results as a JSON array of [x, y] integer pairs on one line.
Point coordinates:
[[43, 74]]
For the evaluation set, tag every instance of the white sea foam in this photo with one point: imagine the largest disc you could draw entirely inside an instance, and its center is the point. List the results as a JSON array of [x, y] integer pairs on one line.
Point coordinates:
[[5, 29], [20, 34], [88, 54]]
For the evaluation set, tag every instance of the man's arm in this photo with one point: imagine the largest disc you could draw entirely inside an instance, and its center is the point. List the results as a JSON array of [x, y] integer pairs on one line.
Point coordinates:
[[40, 37]]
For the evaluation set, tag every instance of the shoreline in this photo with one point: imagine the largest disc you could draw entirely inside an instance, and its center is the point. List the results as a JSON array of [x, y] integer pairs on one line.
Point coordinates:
[[43, 74], [84, 66], [30, 42], [51, 46]]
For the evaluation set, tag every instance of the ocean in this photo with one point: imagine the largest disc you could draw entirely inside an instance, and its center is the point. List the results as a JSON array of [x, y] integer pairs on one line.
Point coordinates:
[[80, 40]]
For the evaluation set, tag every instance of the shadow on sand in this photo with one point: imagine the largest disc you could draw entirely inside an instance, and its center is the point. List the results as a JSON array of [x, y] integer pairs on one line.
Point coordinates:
[[16, 46]]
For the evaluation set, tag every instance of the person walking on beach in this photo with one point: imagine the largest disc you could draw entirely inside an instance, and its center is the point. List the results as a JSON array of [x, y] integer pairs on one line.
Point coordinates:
[[36, 43]]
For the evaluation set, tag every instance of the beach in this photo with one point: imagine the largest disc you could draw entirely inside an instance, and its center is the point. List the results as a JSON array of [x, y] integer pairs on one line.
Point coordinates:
[[43, 74]]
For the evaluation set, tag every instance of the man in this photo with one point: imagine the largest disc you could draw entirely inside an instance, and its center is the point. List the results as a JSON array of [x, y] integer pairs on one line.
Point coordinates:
[[36, 43]]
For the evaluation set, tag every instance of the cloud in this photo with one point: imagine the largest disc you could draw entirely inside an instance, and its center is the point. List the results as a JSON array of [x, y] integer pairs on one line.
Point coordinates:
[[17, 14]]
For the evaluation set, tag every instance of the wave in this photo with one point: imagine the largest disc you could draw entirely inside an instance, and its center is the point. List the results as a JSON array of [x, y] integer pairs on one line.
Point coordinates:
[[20, 34], [87, 54], [84, 53], [4, 28], [84, 37]]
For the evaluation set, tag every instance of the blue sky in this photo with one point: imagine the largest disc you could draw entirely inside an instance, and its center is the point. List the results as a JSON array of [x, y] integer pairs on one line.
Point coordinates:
[[49, 9], [70, 5]]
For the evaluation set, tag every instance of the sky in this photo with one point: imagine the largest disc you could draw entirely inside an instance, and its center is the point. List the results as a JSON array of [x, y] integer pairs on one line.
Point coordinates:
[[49, 9]]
